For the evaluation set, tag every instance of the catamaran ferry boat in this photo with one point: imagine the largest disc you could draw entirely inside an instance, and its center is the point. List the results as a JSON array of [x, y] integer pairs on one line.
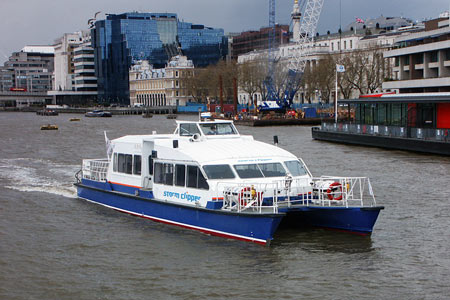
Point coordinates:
[[207, 177]]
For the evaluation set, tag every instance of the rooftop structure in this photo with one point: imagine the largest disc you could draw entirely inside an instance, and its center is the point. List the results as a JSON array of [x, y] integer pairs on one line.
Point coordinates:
[[381, 22]]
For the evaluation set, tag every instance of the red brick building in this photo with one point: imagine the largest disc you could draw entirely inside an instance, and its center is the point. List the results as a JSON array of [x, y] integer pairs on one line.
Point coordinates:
[[258, 40]]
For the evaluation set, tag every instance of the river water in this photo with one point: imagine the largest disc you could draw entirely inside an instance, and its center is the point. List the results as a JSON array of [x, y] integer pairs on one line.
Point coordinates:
[[55, 246]]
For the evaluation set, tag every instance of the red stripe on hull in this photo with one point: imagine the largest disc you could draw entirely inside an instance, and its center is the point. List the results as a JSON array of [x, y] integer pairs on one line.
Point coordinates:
[[223, 235]]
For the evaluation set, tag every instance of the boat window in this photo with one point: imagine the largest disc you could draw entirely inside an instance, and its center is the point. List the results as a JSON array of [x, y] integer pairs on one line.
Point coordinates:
[[125, 163], [260, 170], [137, 165], [189, 129], [150, 165], [295, 168], [163, 173], [272, 169], [159, 175], [115, 162], [217, 128], [129, 163], [195, 178], [180, 175], [218, 171], [248, 171], [168, 174]]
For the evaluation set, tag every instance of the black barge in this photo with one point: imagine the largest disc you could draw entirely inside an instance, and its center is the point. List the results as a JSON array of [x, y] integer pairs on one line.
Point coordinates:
[[413, 122]]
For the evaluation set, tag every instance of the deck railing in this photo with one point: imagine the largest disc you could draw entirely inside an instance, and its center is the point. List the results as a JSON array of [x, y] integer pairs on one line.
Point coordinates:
[[95, 169], [439, 134], [320, 191]]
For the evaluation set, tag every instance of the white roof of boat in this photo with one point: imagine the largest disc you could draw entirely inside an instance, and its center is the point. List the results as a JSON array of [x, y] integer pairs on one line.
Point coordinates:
[[244, 148], [212, 150]]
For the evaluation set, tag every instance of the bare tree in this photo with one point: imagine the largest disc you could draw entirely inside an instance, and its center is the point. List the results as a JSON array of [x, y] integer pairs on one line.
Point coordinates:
[[319, 77], [249, 78], [365, 70]]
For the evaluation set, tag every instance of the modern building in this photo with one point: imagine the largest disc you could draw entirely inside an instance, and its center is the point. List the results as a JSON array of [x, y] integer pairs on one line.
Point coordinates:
[[121, 40], [27, 76], [74, 81], [258, 40], [6, 79], [422, 60], [161, 87]]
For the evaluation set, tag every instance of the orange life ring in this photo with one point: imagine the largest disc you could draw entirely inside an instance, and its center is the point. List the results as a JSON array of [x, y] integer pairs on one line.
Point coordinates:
[[332, 188]]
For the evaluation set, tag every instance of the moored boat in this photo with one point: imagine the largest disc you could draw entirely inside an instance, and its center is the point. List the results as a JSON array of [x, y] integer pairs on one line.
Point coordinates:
[[49, 127], [98, 113], [207, 177], [47, 112]]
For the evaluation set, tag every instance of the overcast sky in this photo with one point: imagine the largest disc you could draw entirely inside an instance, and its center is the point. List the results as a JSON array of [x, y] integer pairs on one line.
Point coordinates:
[[40, 22]]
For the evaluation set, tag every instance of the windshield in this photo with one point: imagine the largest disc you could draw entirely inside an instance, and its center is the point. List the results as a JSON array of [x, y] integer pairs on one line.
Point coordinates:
[[188, 129], [217, 128], [260, 170], [218, 172], [295, 168]]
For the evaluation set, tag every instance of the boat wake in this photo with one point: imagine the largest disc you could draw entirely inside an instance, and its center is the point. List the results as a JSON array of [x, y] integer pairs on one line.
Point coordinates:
[[38, 175]]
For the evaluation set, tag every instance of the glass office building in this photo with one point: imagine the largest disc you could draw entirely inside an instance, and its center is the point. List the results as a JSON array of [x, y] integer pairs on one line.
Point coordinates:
[[120, 40]]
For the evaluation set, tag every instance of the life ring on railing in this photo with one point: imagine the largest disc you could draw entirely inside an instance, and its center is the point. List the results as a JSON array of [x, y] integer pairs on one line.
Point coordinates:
[[332, 190], [247, 193]]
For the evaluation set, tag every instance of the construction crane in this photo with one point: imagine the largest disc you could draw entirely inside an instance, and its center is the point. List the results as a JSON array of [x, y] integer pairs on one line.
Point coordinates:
[[297, 60]]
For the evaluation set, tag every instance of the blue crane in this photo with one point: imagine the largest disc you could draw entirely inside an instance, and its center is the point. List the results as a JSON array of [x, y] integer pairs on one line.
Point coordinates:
[[296, 62]]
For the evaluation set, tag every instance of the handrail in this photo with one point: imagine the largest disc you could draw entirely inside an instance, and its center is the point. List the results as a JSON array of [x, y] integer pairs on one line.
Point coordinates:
[[309, 191], [434, 134], [95, 169]]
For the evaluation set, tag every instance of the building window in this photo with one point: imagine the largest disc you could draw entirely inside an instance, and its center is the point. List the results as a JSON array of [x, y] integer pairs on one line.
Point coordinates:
[[332, 46], [406, 60], [447, 54], [351, 44], [345, 45], [434, 56]]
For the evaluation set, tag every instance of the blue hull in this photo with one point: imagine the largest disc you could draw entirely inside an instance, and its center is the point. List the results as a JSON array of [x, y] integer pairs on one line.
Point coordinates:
[[355, 219], [258, 228]]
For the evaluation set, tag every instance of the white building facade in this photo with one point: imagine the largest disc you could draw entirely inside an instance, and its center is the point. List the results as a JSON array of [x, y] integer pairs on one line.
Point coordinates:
[[74, 80], [160, 87]]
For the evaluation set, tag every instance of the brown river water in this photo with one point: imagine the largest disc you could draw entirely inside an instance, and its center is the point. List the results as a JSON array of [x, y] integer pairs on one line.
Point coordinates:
[[55, 246]]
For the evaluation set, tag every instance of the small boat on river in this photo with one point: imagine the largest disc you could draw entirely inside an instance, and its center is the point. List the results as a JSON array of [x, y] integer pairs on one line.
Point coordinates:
[[47, 112], [207, 177], [98, 114], [49, 127]]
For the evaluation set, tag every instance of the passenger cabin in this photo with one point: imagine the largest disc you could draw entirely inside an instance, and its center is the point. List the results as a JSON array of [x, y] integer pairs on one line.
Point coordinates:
[[196, 162]]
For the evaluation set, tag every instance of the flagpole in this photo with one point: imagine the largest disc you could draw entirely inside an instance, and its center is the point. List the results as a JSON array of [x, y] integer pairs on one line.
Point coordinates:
[[336, 98]]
